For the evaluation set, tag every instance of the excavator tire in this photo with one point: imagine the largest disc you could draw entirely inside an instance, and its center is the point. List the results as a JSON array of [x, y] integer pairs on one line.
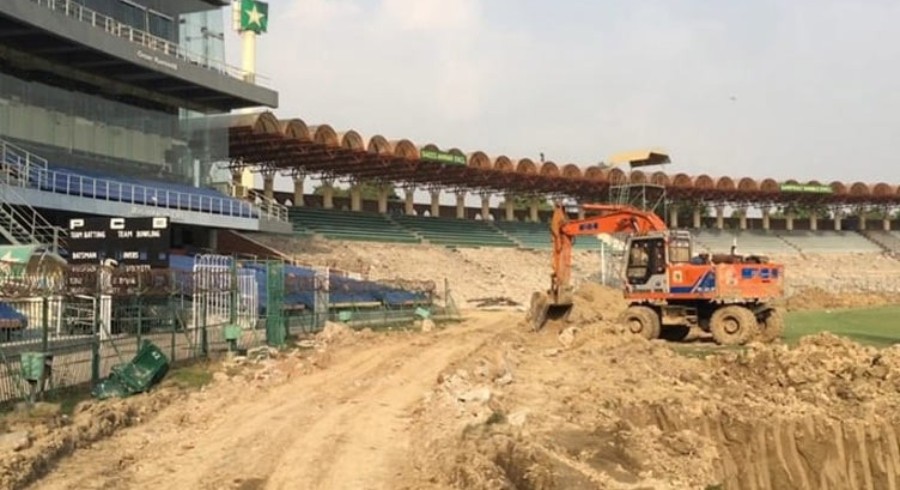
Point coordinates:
[[772, 327], [733, 325], [643, 321]]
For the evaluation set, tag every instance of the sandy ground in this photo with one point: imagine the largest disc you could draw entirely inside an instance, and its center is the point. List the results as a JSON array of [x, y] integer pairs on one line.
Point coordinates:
[[344, 424]]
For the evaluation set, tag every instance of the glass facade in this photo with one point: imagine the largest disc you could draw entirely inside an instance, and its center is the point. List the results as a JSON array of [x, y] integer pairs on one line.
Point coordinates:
[[73, 128]]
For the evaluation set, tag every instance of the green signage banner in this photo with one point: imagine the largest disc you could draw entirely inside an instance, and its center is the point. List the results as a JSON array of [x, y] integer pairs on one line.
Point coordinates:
[[443, 157], [817, 189], [254, 16]]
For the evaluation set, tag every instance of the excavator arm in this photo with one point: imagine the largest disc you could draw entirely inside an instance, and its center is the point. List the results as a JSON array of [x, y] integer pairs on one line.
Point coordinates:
[[557, 302]]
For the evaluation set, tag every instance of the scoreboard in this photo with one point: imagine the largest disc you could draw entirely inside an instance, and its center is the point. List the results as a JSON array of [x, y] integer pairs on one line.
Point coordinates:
[[129, 241]]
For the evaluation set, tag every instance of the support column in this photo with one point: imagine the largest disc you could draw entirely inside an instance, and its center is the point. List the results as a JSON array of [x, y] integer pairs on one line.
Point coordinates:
[[435, 203], [886, 222], [461, 204], [269, 184], [696, 218], [383, 191], [766, 218], [838, 216], [409, 205], [328, 193], [742, 216], [673, 217], [299, 179], [862, 219], [720, 217], [486, 207], [813, 221], [789, 220], [509, 207], [533, 210], [356, 196]]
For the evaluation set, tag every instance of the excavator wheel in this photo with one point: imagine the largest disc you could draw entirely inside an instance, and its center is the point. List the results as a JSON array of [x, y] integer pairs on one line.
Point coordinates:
[[643, 321], [733, 325], [771, 328]]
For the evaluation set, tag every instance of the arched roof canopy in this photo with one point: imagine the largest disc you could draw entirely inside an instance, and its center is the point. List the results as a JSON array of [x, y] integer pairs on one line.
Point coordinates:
[[617, 176], [683, 181], [637, 177], [571, 171], [748, 185], [479, 159], [549, 169], [526, 166], [595, 173], [725, 184], [503, 164], [351, 140], [769, 185], [295, 129], [859, 189], [881, 189], [404, 149], [704, 182], [660, 178], [379, 145], [324, 134], [838, 188]]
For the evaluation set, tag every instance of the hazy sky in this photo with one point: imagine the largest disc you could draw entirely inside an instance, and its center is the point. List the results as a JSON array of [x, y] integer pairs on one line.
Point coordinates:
[[783, 88]]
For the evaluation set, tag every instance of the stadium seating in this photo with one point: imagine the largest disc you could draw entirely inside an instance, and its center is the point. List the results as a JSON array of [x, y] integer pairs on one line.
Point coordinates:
[[342, 225], [748, 242], [342, 291], [536, 236], [455, 232], [888, 240], [121, 188], [824, 242]]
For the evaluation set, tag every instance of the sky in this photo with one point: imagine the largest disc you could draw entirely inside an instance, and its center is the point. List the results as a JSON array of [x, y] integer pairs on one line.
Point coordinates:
[[804, 89]]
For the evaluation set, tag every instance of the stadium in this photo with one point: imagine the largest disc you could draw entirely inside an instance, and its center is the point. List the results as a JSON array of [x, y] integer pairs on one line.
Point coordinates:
[[139, 214]]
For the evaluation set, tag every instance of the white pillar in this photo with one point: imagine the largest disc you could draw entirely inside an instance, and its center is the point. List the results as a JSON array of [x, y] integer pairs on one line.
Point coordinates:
[[435, 203], [461, 204]]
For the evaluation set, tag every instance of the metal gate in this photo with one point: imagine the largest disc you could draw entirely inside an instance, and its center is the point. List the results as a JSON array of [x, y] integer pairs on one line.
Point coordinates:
[[248, 300]]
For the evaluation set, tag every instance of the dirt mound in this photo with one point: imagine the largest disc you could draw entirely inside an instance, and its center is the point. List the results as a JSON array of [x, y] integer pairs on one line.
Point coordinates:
[[617, 411], [594, 302], [53, 437]]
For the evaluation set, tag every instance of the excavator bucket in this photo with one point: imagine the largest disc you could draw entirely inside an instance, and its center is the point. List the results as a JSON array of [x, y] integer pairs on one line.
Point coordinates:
[[543, 309]]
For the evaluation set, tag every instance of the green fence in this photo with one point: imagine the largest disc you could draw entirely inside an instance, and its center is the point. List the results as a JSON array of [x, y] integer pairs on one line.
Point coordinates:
[[85, 321]]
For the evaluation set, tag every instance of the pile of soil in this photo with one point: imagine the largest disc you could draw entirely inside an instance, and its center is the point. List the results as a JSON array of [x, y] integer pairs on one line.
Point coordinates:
[[617, 411]]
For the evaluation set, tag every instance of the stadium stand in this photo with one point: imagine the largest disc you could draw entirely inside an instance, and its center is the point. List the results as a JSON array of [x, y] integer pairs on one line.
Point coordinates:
[[536, 236], [888, 240], [824, 242], [455, 232], [748, 242], [342, 291], [119, 188], [341, 225]]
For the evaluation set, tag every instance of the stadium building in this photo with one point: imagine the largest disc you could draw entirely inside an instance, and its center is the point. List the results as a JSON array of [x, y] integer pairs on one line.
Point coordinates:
[[106, 109]]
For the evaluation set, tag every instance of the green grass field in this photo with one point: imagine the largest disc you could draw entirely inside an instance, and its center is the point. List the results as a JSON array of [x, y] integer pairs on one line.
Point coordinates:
[[873, 326]]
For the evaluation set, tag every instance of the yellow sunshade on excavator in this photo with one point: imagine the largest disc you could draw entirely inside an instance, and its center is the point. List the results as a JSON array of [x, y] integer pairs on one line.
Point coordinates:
[[640, 158]]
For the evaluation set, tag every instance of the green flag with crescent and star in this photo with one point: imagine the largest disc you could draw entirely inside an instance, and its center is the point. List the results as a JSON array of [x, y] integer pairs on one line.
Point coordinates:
[[254, 16]]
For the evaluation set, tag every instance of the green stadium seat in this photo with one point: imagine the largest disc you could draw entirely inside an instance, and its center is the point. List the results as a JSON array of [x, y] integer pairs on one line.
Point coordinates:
[[453, 232], [343, 225]]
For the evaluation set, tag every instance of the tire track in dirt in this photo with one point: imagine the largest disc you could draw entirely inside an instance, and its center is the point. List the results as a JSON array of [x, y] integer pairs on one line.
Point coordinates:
[[346, 426]]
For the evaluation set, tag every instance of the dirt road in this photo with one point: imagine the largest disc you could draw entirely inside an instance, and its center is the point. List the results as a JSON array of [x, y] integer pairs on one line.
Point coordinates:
[[345, 426]]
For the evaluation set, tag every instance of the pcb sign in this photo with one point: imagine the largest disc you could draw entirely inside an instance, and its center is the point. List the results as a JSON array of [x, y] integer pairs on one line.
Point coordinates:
[[129, 241]]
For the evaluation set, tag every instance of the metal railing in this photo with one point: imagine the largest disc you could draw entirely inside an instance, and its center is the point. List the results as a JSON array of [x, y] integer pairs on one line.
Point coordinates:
[[269, 208], [74, 10], [20, 156], [69, 184]]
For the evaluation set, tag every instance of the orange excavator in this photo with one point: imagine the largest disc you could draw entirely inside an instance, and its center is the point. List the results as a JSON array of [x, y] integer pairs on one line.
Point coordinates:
[[668, 289]]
